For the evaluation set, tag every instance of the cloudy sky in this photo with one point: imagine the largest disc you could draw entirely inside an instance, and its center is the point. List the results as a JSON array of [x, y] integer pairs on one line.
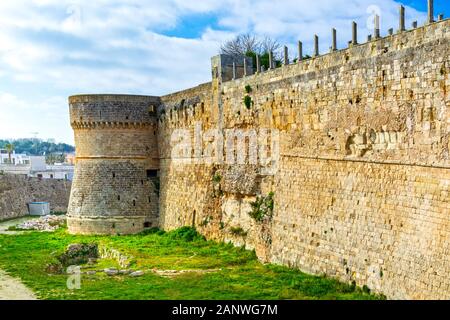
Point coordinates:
[[50, 49]]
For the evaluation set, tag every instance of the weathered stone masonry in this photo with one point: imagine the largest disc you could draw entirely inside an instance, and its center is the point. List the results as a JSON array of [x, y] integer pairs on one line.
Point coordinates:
[[362, 186], [117, 152], [18, 190]]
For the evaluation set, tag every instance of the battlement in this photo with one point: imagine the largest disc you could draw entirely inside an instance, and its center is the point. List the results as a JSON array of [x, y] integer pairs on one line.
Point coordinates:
[[184, 106], [107, 111], [375, 44]]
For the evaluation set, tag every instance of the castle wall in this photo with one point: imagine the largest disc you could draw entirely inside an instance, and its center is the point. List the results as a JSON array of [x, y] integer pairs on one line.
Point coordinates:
[[187, 194], [18, 190], [362, 184], [386, 226], [116, 146]]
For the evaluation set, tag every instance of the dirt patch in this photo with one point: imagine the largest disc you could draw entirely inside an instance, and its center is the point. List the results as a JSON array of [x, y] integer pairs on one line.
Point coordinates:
[[13, 289]]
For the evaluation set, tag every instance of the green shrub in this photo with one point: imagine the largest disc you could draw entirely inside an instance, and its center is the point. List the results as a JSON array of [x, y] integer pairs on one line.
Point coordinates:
[[262, 208], [217, 178], [59, 213], [187, 234], [248, 102], [366, 289], [238, 231], [248, 89], [153, 230]]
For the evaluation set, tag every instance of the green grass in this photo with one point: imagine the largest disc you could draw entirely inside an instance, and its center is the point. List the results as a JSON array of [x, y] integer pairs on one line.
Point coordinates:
[[240, 275]]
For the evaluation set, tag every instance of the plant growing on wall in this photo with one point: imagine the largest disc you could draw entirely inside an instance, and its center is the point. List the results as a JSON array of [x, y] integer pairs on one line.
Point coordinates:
[[217, 178], [238, 231], [248, 102], [262, 208]]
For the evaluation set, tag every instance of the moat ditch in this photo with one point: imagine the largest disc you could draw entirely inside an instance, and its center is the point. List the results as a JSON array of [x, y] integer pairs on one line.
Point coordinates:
[[155, 265]]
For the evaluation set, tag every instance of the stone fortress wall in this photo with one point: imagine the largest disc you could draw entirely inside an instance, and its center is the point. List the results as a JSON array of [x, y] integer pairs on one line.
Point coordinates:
[[18, 190], [361, 186]]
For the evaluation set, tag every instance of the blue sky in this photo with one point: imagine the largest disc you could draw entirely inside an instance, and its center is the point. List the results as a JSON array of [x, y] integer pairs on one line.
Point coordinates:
[[50, 49]]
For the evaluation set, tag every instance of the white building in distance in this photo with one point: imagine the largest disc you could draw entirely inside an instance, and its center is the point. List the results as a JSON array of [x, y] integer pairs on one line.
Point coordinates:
[[34, 166]]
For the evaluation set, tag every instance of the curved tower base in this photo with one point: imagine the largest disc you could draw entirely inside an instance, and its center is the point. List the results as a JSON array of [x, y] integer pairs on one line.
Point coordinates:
[[105, 225], [114, 189]]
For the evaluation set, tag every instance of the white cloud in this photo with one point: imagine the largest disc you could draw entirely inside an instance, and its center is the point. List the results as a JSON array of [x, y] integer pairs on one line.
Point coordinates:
[[54, 48], [19, 118]]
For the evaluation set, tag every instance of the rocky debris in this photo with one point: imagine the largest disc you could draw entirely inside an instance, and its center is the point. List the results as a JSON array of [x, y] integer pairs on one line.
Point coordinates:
[[111, 271], [46, 223], [77, 254], [137, 274], [123, 260], [91, 273], [125, 271], [174, 273]]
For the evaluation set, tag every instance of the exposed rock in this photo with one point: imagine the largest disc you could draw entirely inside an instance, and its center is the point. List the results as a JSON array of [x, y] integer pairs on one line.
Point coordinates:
[[111, 271], [137, 274], [78, 254]]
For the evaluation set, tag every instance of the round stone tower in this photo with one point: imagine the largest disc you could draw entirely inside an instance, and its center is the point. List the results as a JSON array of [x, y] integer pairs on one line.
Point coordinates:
[[114, 189]]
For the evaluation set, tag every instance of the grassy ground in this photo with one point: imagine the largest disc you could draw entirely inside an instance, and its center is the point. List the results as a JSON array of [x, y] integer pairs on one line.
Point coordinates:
[[239, 274]]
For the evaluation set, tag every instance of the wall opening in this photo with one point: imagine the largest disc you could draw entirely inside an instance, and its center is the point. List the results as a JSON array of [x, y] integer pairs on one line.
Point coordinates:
[[194, 214], [152, 173]]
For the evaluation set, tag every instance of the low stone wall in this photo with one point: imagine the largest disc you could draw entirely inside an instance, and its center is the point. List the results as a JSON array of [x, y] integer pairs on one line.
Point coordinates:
[[18, 190]]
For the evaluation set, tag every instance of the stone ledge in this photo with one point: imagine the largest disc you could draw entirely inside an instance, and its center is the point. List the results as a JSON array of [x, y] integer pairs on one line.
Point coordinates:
[[86, 98]]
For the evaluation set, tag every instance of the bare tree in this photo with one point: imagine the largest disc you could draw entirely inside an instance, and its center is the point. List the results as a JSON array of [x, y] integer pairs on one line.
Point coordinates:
[[248, 43], [270, 45], [241, 45]]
